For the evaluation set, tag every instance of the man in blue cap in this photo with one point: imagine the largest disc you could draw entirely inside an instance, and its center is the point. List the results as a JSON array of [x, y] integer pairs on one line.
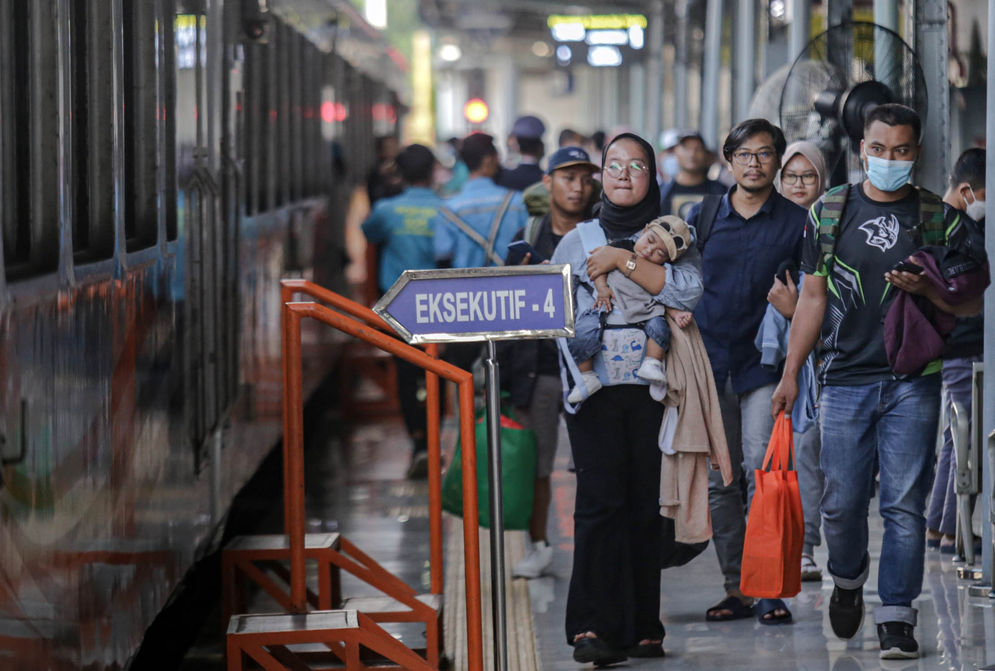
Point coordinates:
[[527, 133]]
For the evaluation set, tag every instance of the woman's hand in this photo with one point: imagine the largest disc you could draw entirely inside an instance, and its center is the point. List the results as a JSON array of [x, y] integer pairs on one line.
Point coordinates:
[[603, 260], [784, 297]]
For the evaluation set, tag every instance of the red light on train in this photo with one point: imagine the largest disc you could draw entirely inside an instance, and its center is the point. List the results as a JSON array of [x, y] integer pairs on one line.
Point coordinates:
[[332, 112], [384, 112], [476, 111]]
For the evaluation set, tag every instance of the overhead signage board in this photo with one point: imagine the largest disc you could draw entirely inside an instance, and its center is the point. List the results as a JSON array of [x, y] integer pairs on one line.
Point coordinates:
[[605, 35], [478, 304], [599, 21]]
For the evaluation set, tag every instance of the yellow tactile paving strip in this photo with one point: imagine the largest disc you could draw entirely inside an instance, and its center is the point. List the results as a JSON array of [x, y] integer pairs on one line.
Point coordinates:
[[522, 651]]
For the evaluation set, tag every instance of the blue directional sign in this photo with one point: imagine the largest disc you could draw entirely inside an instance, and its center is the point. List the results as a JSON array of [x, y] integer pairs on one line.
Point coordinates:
[[475, 304]]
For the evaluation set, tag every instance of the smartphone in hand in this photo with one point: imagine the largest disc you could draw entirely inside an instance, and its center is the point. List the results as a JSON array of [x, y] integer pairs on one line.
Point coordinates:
[[786, 268], [517, 251], [908, 267]]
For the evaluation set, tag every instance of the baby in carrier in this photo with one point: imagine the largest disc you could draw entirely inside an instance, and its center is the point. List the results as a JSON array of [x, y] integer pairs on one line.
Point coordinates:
[[663, 240]]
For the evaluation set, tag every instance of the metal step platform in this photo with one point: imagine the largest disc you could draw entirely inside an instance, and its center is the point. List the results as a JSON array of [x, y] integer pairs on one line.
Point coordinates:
[[286, 641]]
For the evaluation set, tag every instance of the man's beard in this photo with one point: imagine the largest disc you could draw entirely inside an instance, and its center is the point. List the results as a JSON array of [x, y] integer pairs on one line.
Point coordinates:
[[753, 190]]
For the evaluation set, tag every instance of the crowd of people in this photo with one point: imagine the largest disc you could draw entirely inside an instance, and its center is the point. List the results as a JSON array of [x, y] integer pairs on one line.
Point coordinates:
[[743, 289]]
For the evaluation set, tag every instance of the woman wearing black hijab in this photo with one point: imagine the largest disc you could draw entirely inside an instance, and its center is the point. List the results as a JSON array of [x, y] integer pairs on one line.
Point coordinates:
[[613, 606]]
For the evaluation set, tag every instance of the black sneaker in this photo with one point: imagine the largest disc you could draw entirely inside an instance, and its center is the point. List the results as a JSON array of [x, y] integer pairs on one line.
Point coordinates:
[[597, 651], [897, 641], [846, 611]]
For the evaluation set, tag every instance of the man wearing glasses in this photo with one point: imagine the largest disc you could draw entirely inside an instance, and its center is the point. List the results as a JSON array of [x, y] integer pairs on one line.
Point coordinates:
[[753, 230]]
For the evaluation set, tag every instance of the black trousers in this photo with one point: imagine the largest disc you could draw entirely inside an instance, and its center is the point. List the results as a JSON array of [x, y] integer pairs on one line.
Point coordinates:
[[615, 585], [411, 398]]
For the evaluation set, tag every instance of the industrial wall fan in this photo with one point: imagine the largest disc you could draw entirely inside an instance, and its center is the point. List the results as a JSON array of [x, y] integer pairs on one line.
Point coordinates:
[[841, 75]]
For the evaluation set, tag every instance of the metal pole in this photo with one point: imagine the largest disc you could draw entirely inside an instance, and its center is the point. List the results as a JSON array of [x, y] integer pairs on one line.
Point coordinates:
[[681, 64], [710, 77], [492, 382], [801, 24], [931, 46], [887, 54], [654, 73], [637, 99], [745, 63], [988, 505]]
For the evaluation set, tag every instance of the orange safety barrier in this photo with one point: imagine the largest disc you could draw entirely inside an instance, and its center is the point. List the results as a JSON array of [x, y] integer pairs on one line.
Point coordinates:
[[288, 289], [293, 314]]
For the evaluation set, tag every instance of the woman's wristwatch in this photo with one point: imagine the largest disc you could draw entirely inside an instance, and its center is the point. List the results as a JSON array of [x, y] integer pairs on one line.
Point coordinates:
[[630, 264]]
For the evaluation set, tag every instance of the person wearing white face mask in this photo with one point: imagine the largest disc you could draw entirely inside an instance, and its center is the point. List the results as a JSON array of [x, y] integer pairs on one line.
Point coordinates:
[[857, 234], [964, 346], [967, 184]]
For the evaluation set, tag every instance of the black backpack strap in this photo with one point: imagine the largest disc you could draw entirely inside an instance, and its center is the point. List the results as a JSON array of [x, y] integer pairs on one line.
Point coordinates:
[[833, 204], [706, 218], [931, 229], [603, 325], [533, 227]]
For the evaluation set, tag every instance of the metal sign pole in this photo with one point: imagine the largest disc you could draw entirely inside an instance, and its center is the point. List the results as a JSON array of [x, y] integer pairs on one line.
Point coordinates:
[[493, 391], [484, 304]]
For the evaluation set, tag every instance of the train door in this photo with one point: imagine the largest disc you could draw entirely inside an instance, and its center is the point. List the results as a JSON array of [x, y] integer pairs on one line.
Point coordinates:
[[208, 228]]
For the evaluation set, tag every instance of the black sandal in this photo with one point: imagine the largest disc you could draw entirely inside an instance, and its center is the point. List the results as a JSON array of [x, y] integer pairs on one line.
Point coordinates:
[[737, 610], [767, 607]]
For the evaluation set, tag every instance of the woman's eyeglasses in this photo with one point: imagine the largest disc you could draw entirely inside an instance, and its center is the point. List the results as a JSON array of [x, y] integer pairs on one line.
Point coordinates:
[[807, 178], [746, 157], [633, 168]]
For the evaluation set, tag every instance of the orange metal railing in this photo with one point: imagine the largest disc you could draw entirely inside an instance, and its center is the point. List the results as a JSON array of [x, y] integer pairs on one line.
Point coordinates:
[[367, 326], [288, 289]]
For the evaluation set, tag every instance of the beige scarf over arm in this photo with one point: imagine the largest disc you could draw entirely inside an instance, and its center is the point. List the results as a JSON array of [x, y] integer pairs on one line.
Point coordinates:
[[699, 436]]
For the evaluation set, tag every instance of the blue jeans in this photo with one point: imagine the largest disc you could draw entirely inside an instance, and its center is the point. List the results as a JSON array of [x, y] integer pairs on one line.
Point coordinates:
[[810, 484], [587, 334], [942, 513], [894, 421]]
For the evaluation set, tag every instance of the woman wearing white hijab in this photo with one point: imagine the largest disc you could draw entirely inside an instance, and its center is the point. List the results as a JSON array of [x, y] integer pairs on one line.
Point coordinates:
[[803, 174], [802, 180]]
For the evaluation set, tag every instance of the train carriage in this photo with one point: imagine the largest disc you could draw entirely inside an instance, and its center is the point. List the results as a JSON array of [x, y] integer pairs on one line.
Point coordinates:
[[162, 164]]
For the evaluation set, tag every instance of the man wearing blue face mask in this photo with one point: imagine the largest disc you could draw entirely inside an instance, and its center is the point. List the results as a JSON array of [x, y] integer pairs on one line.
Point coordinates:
[[856, 234]]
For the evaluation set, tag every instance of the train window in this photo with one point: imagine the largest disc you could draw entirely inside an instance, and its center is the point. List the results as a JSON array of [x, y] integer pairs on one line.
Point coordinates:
[[29, 140], [294, 116], [94, 133], [14, 69], [272, 110], [252, 145], [191, 45], [141, 174], [283, 67]]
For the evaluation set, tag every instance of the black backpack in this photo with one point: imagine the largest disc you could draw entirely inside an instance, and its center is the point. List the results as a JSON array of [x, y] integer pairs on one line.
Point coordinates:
[[706, 218]]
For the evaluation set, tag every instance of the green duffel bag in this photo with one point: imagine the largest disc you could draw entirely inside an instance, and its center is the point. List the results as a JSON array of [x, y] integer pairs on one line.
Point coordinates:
[[518, 469]]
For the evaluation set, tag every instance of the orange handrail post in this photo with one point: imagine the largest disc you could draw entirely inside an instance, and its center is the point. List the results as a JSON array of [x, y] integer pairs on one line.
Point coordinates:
[[294, 448], [291, 286], [434, 430], [293, 457]]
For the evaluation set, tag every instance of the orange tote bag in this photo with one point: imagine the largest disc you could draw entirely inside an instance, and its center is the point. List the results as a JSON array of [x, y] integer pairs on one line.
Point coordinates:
[[772, 551]]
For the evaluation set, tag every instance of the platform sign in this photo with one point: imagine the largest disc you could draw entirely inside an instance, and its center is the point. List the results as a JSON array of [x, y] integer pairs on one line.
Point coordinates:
[[477, 304]]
